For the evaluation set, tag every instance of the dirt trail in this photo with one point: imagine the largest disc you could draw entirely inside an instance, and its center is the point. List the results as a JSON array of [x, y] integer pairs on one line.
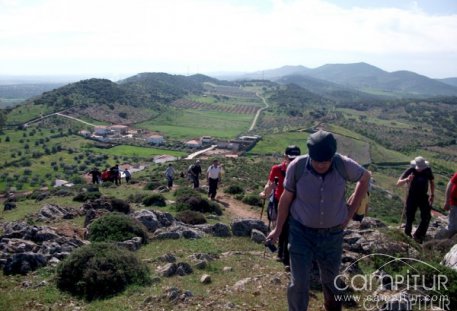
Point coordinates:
[[237, 209]]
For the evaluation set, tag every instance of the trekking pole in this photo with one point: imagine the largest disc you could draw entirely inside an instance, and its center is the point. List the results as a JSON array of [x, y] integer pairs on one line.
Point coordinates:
[[403, 212], [263, 206]]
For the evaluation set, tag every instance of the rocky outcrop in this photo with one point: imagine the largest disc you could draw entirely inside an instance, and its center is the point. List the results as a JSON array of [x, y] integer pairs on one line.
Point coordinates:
[[243, 227], [218, 229], [52, 212], [154, 220], [450, 259], [178, 231], [24, 248]]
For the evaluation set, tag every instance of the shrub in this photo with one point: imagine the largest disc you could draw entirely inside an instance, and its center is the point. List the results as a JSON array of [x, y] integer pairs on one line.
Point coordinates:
[[100, 270], [191, 217], [192, 203], [215, 208], [234, 189], [186, 192], [121, 206], [115, 227], [107, 184], [239, 197], [136, 197], [253, 200], [152, 185], [156, 199], [86, 196]]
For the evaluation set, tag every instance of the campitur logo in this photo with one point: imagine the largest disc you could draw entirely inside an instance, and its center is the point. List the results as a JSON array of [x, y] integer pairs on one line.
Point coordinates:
[[411, 289]]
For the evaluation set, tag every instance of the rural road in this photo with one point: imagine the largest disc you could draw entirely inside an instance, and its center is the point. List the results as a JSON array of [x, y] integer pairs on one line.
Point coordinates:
[[57, 114], [193, 155], [254, 122]]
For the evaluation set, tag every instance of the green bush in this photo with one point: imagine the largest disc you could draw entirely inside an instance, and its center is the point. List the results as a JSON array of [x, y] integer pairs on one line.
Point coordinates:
[[154, 184], [107, 184], [100, 270], [115, 227], [87, 196], [155, 199], [186, 192], [136, 197], [191, 217], [215, 208], [234, 189], [239, 197], [197, 204], [253, 200]]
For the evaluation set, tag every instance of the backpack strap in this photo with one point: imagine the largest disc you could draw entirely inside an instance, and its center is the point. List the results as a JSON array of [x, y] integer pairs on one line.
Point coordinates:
[[338, 164], [300, 167]]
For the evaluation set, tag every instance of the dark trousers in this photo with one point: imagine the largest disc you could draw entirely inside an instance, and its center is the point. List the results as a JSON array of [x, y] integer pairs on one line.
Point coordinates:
[[196, 181], [212, 187], [412, 203], [170, 181]]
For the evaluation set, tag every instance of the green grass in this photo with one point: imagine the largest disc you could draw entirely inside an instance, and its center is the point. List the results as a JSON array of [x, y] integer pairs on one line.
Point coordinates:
[[185, 124], [24, 113], [277, 143], [133, 151]]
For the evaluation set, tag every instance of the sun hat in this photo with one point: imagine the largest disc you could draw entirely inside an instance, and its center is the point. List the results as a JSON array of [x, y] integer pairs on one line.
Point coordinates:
[[419, 163], [321, 146]]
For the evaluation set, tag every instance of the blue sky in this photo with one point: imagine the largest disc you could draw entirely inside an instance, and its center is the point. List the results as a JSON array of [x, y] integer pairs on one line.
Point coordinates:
[[111, 38]]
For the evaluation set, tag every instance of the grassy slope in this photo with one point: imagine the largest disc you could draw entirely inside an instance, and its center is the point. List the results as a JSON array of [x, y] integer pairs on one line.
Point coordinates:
[[195, 123]]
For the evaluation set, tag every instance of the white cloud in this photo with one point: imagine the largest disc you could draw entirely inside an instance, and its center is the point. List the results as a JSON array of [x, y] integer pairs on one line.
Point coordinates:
[[213, 35]]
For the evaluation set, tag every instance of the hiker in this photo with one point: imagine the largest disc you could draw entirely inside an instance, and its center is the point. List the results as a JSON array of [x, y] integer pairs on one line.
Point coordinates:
[[127, 175], [96, 175], [213, 175], [418, 177], [115, 174], [274, 187], [169, 174], [194, 172], [314, 194], [106, 176], [451, 205]]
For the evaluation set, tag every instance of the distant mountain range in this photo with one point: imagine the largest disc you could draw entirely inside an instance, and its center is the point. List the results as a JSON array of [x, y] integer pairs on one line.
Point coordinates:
[[360, 77], [357, 83]]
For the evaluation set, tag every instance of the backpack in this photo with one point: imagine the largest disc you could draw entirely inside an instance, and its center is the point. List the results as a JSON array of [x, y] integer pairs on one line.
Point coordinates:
[[338, 164]]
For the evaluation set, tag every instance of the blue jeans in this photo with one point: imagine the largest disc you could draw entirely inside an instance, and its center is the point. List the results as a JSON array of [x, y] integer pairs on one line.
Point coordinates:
[[325, 246]]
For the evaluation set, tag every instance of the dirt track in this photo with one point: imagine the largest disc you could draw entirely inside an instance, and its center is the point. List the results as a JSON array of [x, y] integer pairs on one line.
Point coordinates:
[[237, 209]]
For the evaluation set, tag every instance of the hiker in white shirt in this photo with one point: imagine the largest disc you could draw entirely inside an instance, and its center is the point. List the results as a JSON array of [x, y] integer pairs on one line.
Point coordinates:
[[213, 175]]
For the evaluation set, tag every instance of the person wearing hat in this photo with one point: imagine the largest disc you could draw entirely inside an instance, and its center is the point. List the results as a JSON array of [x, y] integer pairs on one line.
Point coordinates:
[[315, 198], [418, 177], [275, 185]]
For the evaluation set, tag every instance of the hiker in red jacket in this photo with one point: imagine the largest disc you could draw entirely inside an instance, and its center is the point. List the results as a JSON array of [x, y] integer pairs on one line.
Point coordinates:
[[275, 184]]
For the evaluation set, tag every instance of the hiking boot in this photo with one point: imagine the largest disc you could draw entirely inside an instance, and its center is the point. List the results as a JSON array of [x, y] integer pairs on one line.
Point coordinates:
[[287, 268], [418, 239]]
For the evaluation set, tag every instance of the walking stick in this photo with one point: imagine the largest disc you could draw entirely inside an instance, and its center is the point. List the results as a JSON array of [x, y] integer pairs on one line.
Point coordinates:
[[403, 212], [263, 206]]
